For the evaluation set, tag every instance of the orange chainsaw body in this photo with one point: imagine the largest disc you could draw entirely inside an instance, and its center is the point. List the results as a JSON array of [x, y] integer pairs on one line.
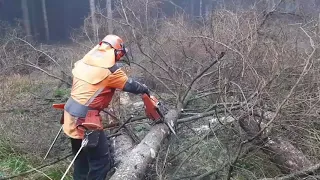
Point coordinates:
[[151, 107]]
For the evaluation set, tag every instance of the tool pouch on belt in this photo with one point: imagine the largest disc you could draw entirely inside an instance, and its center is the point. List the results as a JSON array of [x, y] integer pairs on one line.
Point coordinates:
[[92, 121], [90, 127]]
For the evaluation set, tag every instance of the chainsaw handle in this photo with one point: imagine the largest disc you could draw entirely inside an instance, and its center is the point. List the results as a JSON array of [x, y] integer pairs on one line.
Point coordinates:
[[147, 90], [82, 127], [147, 93]]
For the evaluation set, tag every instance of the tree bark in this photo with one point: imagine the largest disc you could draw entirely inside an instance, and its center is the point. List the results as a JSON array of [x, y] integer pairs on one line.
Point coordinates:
[[288, 158], [122, 144], [45, 19], [136, 162], [109, 15], [26, 19], [93, 20]]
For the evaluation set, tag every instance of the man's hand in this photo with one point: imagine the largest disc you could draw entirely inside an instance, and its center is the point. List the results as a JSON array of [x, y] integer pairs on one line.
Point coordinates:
[[146, 91]]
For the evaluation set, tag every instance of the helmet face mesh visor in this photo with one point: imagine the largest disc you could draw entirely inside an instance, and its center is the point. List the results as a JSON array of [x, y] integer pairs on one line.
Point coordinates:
[[124, 52], [121, 52]]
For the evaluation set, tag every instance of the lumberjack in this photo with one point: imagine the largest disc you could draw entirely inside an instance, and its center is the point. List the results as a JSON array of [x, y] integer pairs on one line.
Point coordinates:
[[95, 78]]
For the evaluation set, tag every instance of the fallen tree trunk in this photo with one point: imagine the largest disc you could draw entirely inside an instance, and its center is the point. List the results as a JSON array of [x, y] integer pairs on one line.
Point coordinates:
[[300, 174], [288, 158], [135, 163], [122, 145]]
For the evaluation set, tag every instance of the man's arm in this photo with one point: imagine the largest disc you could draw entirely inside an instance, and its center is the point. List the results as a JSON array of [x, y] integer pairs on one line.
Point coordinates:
[[135, 87], [119, 80]]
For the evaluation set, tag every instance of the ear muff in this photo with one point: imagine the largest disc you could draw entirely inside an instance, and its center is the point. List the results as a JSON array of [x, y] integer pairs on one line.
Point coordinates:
[[120, 53]]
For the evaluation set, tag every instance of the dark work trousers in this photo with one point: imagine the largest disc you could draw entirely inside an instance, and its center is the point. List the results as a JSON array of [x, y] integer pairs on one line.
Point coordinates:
[[92, 163]]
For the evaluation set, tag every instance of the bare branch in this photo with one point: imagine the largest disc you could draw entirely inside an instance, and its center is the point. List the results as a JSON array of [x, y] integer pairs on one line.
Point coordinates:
[[183, 99], [164, 84], [38, 50], [205, 114], [51, 75], [305, 69]]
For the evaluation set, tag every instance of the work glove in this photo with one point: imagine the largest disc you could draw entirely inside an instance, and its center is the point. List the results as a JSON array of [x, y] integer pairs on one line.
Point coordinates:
[[135, 87], [146, 90]]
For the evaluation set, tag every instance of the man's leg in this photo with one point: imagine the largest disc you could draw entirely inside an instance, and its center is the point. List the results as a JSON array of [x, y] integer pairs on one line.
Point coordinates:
[[100, 159], [81, 164]]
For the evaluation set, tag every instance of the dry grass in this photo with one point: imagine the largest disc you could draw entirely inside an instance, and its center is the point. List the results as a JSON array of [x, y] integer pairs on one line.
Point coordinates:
[[27, 117], [29, 124]]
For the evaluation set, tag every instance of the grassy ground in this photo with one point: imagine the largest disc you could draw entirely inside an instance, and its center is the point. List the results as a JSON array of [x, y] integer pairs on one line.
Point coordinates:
[[13, 162], [28, 125]]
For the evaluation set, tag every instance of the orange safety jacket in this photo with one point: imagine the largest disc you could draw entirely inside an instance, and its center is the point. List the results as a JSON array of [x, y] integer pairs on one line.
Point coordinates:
[[95, 78]]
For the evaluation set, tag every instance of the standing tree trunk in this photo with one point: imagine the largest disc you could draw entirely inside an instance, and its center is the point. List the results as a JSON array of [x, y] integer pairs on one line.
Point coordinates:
[[200, 8], [208, 10], [94, 20], [33, 18], [318, 29], [109, 15], [298, 6], [26, 20], [45, 19], [192, 7]]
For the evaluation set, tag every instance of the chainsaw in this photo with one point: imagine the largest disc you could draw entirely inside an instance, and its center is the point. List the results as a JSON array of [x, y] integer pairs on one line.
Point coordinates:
[[156, 110]]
